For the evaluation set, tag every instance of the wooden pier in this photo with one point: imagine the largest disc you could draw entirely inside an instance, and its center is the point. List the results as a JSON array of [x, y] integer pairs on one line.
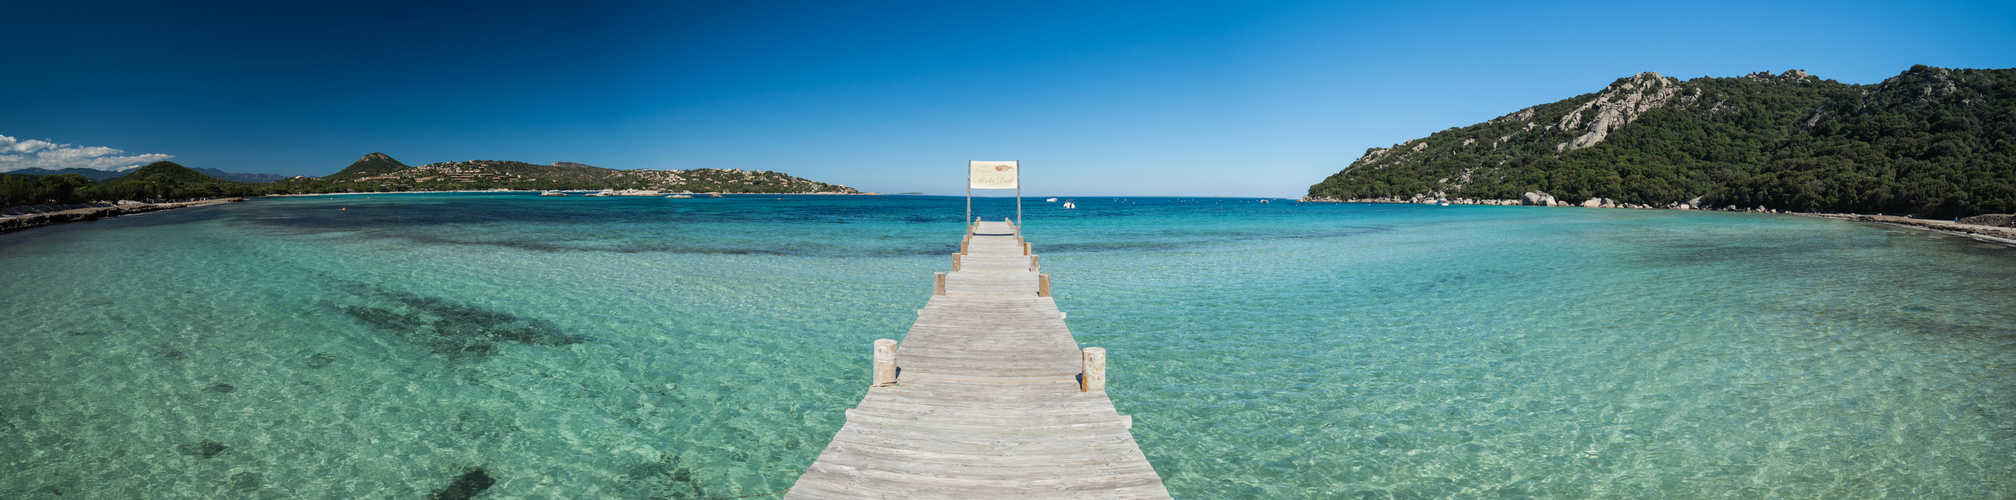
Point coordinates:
[[988, 396]]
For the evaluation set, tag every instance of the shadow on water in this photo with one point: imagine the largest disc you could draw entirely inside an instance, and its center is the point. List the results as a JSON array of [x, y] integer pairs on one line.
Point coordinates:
[[453, 330]]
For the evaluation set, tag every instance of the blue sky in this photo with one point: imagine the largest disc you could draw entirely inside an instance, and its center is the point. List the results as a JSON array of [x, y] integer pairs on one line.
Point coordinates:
[[1109, 98]]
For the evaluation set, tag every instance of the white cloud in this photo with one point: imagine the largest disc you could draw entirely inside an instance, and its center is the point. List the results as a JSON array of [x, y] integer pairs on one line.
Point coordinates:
[[16, 154]]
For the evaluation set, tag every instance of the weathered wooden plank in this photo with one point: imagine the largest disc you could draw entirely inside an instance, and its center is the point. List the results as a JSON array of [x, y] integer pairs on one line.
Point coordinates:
[[988, 403]]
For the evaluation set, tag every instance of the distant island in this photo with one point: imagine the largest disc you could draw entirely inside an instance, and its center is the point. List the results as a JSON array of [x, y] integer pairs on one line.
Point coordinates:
[[1930, 142], [378, 172]]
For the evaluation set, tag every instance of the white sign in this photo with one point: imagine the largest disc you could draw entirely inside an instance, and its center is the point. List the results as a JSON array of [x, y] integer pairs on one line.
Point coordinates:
[[994, 174]]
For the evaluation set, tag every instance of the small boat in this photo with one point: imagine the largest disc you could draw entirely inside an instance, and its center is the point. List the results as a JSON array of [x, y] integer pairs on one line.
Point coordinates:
[[1052, 200], [1264, 200], [1068, 204]]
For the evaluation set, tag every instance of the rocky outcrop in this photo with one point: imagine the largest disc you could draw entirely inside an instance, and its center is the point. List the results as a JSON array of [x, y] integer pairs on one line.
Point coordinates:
[[1537, 199], [1616, 106], [1991, 220]]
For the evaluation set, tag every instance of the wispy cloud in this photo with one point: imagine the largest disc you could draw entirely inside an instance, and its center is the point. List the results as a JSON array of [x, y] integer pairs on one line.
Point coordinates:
[[16, 154]]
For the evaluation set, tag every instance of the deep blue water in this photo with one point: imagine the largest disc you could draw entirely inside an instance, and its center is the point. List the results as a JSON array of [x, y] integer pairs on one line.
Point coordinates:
[[354, 347]]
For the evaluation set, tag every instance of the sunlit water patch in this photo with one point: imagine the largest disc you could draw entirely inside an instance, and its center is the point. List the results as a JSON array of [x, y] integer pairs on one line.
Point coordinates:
[[519, 346]]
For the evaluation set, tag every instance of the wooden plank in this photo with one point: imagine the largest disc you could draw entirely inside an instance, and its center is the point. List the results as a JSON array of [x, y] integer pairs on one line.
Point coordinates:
[[989, 402]]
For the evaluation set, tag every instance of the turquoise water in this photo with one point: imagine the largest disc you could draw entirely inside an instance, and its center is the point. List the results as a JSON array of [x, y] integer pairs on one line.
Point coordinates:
[[382, 347]]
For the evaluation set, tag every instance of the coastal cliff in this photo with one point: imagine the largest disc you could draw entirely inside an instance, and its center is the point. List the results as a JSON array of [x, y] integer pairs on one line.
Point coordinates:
[[1929, 142]]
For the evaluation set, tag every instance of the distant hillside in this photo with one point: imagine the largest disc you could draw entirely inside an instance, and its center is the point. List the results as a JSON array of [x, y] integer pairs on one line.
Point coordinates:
[[1930, 141], [230, 176], [88, 173], [379, 172], [370, 165]]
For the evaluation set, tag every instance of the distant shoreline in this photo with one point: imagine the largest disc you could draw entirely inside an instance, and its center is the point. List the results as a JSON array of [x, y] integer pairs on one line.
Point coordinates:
[[1990, 234], [30, 221], [660, 194]]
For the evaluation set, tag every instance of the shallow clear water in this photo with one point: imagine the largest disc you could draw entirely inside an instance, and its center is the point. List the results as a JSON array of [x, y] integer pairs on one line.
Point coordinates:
[[352, 347]]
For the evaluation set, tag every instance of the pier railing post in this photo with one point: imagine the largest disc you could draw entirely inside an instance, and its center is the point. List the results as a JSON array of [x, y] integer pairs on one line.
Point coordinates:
[[885, 362], [1035, 264], [962, 244], [1027, 250], [1094, 376], [955, 262], [1042, 285], [938, 284]]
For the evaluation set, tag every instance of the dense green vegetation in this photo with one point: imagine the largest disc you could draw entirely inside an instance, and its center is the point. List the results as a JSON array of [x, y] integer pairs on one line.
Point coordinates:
[[156, 181], [1930, 142], [378, 172]]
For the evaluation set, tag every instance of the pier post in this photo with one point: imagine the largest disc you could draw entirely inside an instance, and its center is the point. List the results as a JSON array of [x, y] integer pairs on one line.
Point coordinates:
[[1026, 250], [885, 362], [962, 244], [955, 262], [1042, 285], [1094, 376], [938, 285], [1035, 264]]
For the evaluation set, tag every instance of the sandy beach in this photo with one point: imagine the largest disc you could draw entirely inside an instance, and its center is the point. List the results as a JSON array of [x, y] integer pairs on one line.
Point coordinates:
[[31, 221]]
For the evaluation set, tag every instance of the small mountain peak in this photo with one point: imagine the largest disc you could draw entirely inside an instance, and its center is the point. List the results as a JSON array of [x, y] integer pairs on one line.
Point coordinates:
[[376, 157]]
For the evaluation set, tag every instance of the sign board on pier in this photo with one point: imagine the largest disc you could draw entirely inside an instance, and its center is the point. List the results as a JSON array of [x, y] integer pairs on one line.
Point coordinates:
[[994, 174]]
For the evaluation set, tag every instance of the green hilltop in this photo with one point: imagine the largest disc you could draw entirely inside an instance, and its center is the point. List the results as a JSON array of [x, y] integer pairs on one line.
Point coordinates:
[[1929, 142], [370, 165]]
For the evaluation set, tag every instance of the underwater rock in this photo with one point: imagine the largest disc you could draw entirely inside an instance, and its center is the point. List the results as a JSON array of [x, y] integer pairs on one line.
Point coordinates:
[[205, 448], [246, 481], [171, 353], [321, 360], [221, 388], [456, 330], [465, 486]]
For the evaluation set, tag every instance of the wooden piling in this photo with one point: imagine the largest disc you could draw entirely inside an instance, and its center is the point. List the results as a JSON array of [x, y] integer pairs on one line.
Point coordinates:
[[1027, 249], [1094, 379], [955, 262], [885, 362], [1034, 264], [938, 284], [1043, 285]]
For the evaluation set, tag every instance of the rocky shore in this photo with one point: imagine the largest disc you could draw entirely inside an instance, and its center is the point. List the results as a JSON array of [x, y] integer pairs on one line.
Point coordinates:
[[1538, 199], [34, 220], [1996, 228]]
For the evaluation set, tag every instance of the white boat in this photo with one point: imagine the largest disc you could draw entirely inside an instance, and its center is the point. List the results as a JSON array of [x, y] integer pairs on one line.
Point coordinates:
[[1052, 200], [1068, 204]]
